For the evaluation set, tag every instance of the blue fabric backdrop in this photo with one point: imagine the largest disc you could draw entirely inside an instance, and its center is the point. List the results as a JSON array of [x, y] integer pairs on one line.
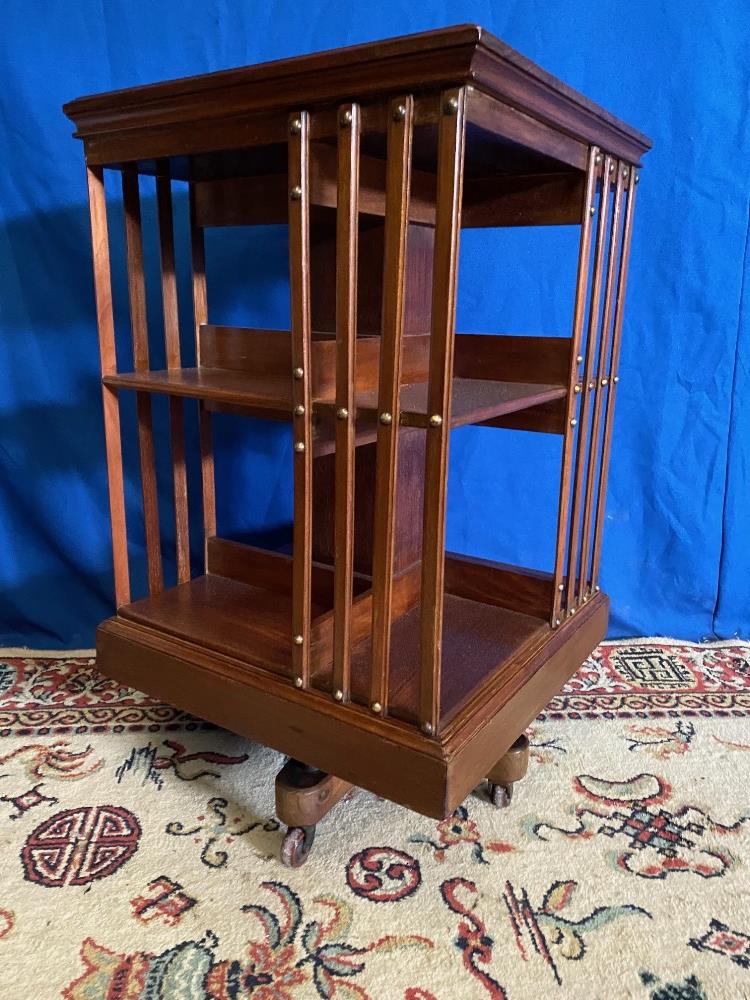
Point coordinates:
[[677, 527]]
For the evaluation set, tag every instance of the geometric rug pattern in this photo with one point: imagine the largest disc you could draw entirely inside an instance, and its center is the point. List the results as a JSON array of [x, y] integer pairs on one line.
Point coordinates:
[[140, 847]]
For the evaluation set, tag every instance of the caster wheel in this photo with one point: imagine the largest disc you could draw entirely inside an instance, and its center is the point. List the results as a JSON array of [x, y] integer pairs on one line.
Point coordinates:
[[501, 795], [296, 846]]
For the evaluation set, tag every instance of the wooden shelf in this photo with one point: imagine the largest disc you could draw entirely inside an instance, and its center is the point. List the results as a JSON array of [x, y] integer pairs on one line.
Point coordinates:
[[474, 400], [253, 624]]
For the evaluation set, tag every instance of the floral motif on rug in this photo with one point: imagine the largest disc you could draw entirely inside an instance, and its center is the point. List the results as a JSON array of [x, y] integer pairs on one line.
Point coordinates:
[[141, 852]]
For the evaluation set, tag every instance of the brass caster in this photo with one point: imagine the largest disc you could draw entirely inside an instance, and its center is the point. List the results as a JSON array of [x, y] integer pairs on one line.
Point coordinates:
[[296, 846], [500, 795]]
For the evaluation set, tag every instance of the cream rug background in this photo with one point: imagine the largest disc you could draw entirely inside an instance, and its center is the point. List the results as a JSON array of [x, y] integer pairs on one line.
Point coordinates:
[[140, 852]]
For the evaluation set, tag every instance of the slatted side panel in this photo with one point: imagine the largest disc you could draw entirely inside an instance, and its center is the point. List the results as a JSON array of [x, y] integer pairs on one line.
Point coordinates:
[[105, 322], [574, 386], [172, 351], [299, 279], [200, 316], [398, 173], [347, 222], [629, 179], [601, 379], [451, 133], [139, 331]]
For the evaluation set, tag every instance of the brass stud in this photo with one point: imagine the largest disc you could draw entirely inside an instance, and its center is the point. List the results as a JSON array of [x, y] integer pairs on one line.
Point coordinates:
[[592, 385], [342, 413], [625, 172], [299, 446], [399, 113], [299, 410], [376, 707], [338, 695], [573, 422], [592, 210], [579, 359], [605, 381], [436, 420], [637, 178], [386, 418], [572, 611], [298, 372], [346, 119], [295, 126], [596, 588], [296, 193], [585, 598], [576, 388], [598, 158], [611, 168], [561, 587], [298, 682], [427, 728], [451, 106], [557, 623], [298, 640], [616, 379]]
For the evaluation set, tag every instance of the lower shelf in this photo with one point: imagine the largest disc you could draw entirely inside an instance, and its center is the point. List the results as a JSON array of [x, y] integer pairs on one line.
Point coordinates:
[[253, 625]]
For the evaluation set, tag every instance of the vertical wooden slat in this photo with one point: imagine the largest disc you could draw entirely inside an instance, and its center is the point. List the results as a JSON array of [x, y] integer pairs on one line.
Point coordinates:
[[200, 315], [299, 281], [590, 389], [601, 377], [106, 326], [451, 132], [347, 223], [398, 178], [172, 349], [579, 309], [614, 378], [139, 330]]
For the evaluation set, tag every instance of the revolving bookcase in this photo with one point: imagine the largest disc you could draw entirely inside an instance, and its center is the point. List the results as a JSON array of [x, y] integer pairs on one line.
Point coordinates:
[[368, 654]]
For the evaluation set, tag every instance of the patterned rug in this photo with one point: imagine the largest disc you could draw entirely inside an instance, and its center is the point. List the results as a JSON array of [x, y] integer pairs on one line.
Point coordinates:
[[140, 852]]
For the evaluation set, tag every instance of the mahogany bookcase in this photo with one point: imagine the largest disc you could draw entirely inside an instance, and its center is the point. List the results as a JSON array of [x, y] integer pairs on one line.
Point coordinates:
[[369, 655]]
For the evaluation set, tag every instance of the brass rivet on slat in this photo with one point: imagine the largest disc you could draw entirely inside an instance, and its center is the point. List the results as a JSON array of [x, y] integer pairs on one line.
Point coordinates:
[[605, 381], [592, 210], [342, 413], [298, 640], [298, 682], [625, 171], [295, 126], [596, 588], [451, 106], [299, 410], [585, 598], [296, 193], [611, 168], [573, 422], [572, 611], [557, 623], [338, 695], [579, 359], [299, 446], [616, 379], [386, 418], [637, 178], [427, 728], [299, 373], [399, 113], [376, 707], [561, 586], [598, 158], [346, 118], [592, 385], [435, 420], [576, 388]]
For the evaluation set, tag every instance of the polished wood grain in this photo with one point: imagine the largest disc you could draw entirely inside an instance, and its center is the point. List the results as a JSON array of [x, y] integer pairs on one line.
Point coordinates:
[[106, 327], [172, 350], [347, 231], [614, 364], [139, 333], [444, 289], [397, 212], [525, 590], [299, 287], [579, 310], [512, 359]]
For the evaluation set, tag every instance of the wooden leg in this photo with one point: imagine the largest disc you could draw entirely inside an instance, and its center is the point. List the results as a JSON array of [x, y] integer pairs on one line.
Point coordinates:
[[304, 795], [511, 767]]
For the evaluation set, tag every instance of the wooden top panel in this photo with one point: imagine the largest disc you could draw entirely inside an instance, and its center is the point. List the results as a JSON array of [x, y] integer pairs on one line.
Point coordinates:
[[422, 62]]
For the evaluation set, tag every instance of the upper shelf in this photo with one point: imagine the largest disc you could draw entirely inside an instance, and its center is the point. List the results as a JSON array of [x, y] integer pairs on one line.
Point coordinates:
[[226, 110]]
